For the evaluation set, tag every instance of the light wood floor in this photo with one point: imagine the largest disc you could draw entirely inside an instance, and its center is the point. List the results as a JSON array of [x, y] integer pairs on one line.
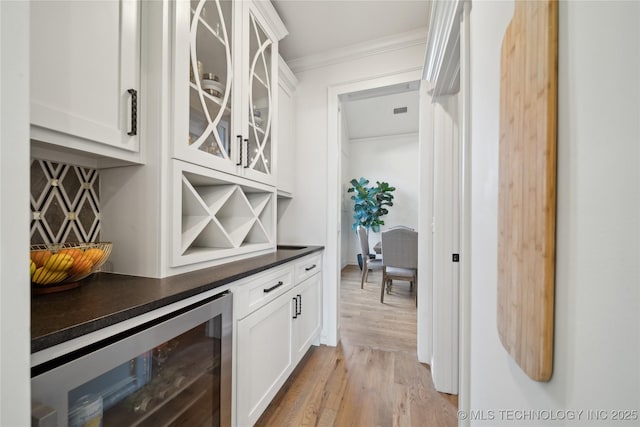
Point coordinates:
[[373, 377]]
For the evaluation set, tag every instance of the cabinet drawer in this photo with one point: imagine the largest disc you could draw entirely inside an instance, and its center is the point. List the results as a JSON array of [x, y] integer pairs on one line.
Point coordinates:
[[307, 267], [259, 291]]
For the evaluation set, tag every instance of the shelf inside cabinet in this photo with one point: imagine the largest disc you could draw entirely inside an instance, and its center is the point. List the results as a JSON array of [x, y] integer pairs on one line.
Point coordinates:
[[257, 234], [208, 96], [215, 196], [267, 218], [212, 236], [192, 227], [258, 201]]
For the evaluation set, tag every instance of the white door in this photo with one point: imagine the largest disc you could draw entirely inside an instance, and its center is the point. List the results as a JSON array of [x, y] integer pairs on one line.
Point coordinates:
[[446, 232], [306, 325], [264, 357], [85, 70], [260, 68], [205, 89]]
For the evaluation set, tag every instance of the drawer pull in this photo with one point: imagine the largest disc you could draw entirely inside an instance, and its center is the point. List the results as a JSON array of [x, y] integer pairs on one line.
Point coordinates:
[[299, 306], [310, 268], [239, 151], [295, 310], [134, 112], [277, 285]]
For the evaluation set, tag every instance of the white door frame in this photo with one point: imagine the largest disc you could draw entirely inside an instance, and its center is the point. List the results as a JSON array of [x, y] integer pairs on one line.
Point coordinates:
[[15, 296], [464, 388], [332, 249]]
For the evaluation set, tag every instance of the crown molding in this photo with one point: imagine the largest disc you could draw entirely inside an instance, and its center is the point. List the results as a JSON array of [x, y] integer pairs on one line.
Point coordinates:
[[442, 59], [270, 15], [360, 50], [286, 78]]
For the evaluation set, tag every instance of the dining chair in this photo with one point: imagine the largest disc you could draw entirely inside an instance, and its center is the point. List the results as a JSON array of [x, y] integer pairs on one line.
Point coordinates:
[[399, 258], [404, 227], [367, 262]]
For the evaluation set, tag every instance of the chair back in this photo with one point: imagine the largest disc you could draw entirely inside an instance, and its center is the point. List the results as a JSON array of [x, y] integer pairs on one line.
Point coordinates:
[[404, 227], [400, 248], [364, 241]]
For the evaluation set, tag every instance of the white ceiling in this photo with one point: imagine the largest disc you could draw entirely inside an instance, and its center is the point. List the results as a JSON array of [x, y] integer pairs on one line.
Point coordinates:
[[370, 114], [317, 26]]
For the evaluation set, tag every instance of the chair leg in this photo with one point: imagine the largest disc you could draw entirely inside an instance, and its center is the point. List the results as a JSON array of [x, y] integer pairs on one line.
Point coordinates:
[[383, 285], [364, 274]]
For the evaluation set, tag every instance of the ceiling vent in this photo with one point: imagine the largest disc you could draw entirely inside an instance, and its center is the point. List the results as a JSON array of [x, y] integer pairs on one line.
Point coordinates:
[[400, 110]]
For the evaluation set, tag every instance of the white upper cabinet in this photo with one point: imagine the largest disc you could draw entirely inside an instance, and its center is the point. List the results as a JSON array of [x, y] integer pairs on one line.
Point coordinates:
[[225, 73], [85, 76], [286, 130]]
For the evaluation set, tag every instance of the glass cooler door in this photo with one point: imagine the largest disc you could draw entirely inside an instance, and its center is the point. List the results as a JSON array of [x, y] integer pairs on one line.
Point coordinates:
[[175, 373]]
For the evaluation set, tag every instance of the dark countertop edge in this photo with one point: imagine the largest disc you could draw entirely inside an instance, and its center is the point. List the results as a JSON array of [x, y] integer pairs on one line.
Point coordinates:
[[66, 334]]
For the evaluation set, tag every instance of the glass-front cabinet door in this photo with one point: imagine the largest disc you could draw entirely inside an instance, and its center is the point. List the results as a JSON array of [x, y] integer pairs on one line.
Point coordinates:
[[225, 68], [260, 70], [204, 83]]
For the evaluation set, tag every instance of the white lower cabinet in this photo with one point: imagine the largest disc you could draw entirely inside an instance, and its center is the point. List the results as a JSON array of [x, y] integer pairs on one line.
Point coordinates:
[[264, 357], [306, 326], [273, 338]]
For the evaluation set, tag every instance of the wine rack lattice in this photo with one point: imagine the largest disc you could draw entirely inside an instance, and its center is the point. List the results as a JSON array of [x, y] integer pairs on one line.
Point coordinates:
[[221, 215]]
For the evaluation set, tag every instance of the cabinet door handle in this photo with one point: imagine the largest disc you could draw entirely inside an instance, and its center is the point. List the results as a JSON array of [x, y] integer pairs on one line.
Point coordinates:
[[240, 150], [299, 306], [310, 268], [134, 112], [246, 141], [276, 286], [295, 310]]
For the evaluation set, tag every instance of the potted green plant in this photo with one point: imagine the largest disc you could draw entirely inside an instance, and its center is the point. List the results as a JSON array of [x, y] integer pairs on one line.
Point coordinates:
[[370, 205]]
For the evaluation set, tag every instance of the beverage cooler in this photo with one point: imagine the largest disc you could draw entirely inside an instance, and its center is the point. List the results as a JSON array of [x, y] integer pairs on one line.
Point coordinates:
[[172, 371]]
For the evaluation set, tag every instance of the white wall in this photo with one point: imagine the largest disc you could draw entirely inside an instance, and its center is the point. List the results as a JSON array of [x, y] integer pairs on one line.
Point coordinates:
[[15, 295], [597, 325], [311, 135], [390, 159]]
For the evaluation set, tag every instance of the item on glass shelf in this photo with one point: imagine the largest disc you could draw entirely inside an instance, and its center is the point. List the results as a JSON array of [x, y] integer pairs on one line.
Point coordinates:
[[86, 412], [211, 84], [257, 117], [192, 75], [141, 403]]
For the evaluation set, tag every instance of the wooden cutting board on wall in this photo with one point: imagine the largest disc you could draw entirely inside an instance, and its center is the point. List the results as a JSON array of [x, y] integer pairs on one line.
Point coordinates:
[[527, 186]]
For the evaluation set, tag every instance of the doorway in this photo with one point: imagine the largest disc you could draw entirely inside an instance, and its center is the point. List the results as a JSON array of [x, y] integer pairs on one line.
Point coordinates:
[[379, 142], [439, 350]]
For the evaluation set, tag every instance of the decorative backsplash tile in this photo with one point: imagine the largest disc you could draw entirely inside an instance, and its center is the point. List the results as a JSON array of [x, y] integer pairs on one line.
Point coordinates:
[[64, 203]]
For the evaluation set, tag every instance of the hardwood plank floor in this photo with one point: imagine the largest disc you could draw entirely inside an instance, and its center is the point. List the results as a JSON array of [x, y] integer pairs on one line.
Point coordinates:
[[373, 377]]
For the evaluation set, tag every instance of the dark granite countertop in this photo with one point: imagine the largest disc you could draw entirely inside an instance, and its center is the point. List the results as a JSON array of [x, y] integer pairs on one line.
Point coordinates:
[[106, 299]]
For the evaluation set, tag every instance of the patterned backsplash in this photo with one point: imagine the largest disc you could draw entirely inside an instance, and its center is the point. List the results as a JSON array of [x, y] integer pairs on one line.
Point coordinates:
[[64, 203]]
